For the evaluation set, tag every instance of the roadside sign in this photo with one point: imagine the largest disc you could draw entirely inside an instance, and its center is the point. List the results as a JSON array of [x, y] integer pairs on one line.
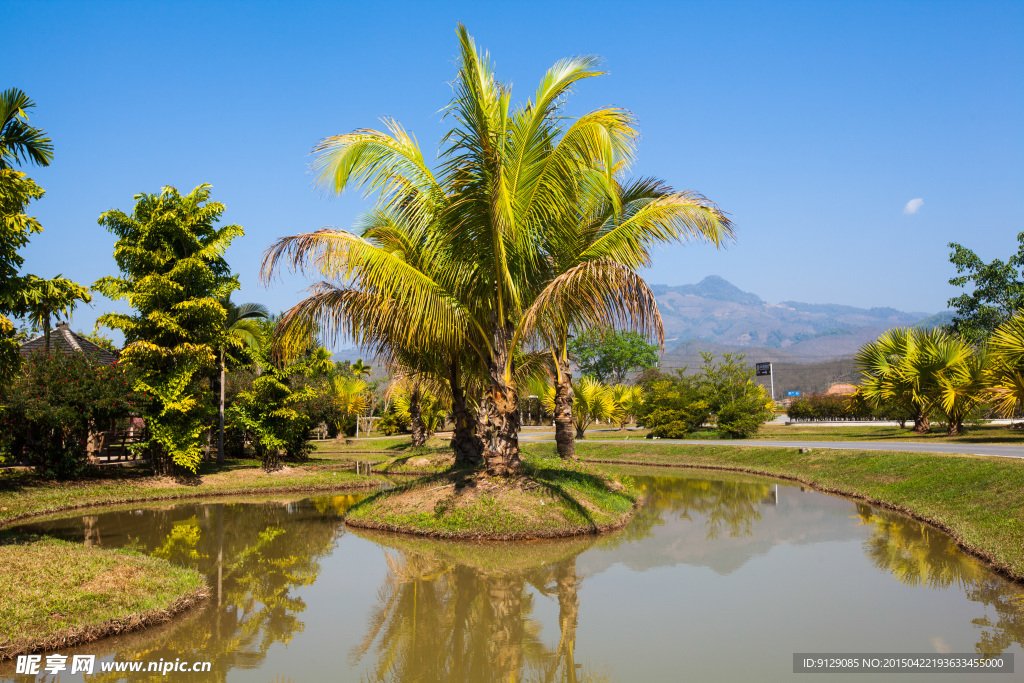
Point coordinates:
[[792, 393], [763, 369]]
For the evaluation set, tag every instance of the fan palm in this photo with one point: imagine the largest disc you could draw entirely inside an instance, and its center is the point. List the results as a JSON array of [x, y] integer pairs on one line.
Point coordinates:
[[20, 142], [1005, 376]]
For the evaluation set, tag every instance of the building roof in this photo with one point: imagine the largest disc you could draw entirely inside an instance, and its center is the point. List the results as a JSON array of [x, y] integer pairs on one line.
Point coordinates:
[[64, 340], [841, 390]]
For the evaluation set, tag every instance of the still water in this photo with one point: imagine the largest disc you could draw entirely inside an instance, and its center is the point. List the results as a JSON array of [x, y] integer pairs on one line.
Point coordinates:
[[718, 578]]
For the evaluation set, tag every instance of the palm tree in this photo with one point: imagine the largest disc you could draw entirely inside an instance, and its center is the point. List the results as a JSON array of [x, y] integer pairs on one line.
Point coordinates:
[[462, 263], [242, 330], [349, 396], [20, 142], [44, 299], [1005, 376]]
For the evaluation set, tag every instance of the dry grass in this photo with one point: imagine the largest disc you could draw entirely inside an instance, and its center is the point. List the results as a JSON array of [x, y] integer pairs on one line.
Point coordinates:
[[58, 594]]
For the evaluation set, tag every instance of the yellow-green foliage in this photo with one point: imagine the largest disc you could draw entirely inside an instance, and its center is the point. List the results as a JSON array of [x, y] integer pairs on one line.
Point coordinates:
[[170, 253]]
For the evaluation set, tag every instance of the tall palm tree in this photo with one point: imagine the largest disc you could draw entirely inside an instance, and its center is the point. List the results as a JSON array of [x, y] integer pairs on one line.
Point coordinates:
[[504, 197], [19, 141], [242, 330], [43, 299]]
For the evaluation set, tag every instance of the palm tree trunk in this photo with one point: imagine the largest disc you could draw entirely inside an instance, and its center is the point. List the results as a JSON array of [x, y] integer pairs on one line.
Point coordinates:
[[46, 331], [921, 425], [501, 413], [220, 411], [419, 430], [564, 441], [466, 444]]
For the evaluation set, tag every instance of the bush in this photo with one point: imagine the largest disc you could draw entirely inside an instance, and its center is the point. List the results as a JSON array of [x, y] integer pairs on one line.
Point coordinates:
[[744, 416], [834, 407], [56, 401], [724, 392]]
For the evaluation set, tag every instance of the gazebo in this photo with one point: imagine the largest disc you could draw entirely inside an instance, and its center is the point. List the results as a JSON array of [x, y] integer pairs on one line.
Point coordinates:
[[65, 341]]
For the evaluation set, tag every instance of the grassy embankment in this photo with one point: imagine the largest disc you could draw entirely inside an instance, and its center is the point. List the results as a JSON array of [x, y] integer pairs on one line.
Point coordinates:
[[22, 494], [552, 499], [984, 434], [59, 593], [978, 500]]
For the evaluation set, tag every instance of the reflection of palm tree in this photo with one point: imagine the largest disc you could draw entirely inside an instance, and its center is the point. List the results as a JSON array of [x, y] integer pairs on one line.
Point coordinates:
[[464, 612], [915, 553], [918, 555]]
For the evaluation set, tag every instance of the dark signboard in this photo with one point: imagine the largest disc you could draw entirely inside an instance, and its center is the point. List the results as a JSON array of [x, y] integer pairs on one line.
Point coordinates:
[[763, 369]]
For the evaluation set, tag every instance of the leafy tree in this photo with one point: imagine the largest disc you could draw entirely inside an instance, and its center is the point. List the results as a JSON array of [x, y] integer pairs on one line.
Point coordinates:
[[998, 292], [51, 407], [16, 226], [675, 405], [723, 392], [610, 355], [173, 274]]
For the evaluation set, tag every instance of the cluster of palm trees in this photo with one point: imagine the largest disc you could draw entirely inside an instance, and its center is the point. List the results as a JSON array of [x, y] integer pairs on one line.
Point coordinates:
[[924, 372], [473, 273], [594, 401]]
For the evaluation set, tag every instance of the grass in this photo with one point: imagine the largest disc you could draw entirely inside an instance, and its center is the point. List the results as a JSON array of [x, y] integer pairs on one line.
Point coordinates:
[[376, 449], [981, 434], [552, 499], [978, 500], [22, 494], [58, 593]]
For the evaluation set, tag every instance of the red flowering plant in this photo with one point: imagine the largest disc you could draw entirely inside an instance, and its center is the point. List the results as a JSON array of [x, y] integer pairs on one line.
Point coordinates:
[[49, 410]]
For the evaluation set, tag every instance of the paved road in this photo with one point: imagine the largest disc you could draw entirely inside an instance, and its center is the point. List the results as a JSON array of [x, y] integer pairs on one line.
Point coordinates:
[[911, 446]]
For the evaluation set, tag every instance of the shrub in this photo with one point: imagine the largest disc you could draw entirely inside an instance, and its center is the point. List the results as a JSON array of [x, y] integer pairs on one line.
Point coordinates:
[[56, 401]]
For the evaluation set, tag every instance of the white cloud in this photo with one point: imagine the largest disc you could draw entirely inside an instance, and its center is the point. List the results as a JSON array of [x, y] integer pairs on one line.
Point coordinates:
[[913, 206]]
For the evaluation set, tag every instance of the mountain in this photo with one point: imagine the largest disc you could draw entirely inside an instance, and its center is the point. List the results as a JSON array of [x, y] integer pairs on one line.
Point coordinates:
[[715, 315]]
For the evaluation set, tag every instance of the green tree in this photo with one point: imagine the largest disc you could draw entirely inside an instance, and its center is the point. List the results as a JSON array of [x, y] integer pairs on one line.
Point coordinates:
[[610, 355], [16, 226], [998, 292], [19, 142], [170, 252]]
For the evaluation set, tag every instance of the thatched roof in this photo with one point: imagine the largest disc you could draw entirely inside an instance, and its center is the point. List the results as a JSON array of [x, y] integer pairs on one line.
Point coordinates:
[[64, 340]]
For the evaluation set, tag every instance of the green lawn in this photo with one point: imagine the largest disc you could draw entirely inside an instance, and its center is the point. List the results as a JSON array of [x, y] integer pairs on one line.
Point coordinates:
[[58, 593], [23, 494]]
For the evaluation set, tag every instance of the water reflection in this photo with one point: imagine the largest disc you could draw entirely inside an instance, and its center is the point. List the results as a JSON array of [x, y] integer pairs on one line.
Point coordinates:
[[464, 611], [255, 557], [414, 609], [918, 555]]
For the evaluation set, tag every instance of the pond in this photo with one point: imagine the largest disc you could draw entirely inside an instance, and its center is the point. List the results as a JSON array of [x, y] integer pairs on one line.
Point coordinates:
[[718, 578]]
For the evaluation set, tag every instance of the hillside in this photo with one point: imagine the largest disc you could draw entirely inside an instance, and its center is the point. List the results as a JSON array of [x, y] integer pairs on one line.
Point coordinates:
[[717, 313]]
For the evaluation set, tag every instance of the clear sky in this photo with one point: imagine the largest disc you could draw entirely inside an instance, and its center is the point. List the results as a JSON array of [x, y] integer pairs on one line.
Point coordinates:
[[850, 141]]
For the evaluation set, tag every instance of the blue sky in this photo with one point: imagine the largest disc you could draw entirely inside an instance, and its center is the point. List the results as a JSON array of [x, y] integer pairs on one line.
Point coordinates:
[[813, 124]]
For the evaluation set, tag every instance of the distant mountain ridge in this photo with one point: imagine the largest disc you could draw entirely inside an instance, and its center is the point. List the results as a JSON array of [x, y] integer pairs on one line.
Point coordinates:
[[716, 313]]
